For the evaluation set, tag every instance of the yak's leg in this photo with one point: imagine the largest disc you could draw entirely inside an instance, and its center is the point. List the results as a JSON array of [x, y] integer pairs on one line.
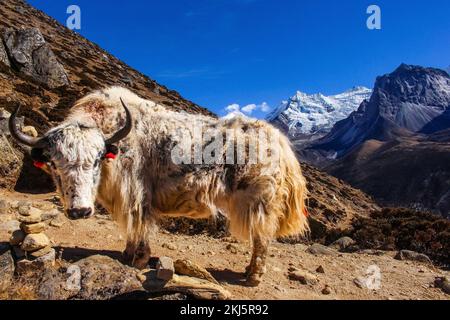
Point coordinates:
[[128, 254], [143, 251], [257, 267]]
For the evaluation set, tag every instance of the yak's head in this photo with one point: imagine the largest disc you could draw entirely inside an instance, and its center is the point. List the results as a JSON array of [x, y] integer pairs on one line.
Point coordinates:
[[72, 154]]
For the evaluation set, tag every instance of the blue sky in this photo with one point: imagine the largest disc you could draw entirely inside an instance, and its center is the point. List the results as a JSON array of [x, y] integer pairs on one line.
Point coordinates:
[[222, 52]]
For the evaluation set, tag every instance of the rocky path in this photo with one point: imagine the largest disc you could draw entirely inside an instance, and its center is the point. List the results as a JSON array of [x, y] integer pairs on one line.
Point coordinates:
[[294, 271]]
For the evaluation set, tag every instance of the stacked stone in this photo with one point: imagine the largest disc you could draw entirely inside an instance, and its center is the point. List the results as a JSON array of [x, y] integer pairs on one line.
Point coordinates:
[[30, 244]]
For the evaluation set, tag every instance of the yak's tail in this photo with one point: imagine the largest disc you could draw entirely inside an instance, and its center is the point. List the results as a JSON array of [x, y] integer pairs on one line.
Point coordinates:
[[294, 193]]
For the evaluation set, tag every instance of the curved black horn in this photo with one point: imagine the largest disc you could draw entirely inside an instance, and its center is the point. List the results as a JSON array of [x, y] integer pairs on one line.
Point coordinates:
[[22, 137], [125, 131]]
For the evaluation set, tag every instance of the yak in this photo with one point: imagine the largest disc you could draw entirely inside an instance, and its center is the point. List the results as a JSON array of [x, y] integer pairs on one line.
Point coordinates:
[[141, 161]]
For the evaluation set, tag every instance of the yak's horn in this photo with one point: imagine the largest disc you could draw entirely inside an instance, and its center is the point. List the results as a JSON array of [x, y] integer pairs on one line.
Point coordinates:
[[22, 137], [125, 131]]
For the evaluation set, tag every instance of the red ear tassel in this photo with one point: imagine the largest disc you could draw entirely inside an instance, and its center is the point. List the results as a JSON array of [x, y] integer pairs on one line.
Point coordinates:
[[110, 155], [38, 164], [305, 212]]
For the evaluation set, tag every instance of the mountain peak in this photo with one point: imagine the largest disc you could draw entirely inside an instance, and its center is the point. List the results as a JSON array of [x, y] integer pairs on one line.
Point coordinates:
[[315, 114]]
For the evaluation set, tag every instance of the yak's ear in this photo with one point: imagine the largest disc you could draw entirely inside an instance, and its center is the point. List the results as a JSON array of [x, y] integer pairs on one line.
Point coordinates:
[[111, 151], [37, 154]]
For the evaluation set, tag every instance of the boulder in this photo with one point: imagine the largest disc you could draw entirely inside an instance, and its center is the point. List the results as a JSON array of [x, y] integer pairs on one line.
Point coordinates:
[[30, 54], [102, 278], [33, 216], [17, 237], [412, 256], [10, 226], [6, 270], [443, 284], [33, 228], [43, 262], [4, 206], [343, 243], [33, 242], [3, 55], [189, 268], [319, 249], [40, 253], [304, 277], [193, 287], [165, 269]]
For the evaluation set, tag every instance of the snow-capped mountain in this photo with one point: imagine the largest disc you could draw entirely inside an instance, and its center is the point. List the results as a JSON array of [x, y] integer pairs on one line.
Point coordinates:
[[306, 115], [410, 100]]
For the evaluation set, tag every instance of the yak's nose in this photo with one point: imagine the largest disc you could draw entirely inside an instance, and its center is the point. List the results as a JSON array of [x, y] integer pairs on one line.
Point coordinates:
[[79, 213]]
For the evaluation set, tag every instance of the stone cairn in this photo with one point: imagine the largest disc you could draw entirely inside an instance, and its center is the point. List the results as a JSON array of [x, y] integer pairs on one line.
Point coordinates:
[[30, 245]]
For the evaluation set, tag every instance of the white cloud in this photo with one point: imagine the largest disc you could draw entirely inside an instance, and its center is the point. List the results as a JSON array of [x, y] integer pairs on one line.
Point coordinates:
[[265, 107], [249, 108], [235, 109]]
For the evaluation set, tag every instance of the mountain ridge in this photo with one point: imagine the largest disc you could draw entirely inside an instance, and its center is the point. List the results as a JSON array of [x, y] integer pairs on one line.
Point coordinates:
[[312, 115]]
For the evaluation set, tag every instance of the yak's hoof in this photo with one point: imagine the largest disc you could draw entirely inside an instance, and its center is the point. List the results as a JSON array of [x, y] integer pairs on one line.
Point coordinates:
[[140, 263], [127, 258], [253, 280]]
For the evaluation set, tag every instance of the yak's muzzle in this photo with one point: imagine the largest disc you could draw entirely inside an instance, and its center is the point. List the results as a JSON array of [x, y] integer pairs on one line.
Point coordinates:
[[79, 213]]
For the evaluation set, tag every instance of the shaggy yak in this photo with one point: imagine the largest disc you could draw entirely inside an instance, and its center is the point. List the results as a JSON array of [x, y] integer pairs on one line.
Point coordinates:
[[261, 199]]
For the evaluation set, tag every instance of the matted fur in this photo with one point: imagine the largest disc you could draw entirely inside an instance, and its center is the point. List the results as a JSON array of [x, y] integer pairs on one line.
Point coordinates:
[[143, 183]]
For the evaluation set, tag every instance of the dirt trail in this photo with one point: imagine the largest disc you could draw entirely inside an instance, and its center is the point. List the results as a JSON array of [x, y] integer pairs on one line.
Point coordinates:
[[100, 235]]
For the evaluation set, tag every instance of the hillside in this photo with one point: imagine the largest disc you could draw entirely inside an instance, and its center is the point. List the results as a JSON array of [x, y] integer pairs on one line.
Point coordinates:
[[46, 95]]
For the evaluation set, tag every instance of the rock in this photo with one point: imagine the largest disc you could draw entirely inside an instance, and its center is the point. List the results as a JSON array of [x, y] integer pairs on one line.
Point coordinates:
[[34, 242], [318, 249], [320, 269], [165, 269], [57, 223], [34, 216], [194, 287], [169, 246], [412, 256], [33, 228], [10, 226], [17, 238], [39, 253], [4, 206], [40, 263], [6, 270], [232, 248], [292, 269], [102, 278], [31, 55], [303, 277], [18, 253], [30, 130], [50, 215], [343, 243], [3, 55], [172, 297], [24, 210], [189, 268], [327, 290], [360, 282], [443, 284]]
